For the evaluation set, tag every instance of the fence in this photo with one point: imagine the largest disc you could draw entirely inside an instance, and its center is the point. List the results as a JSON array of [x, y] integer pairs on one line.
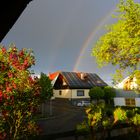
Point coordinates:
[[114, 134]]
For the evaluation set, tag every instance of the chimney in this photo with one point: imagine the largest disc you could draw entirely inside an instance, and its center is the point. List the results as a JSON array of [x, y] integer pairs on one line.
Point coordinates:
[[83, 76]]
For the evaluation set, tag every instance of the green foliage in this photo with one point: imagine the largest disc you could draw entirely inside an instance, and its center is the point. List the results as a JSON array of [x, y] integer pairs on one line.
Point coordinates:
[[94, 115], [136, 119], [119, 115], [46, 86], [130, 114], [106, 123], [109, 93], [102, 117], [117, 77], [83, 127], [99, 117], [121, 44], [96, 93]]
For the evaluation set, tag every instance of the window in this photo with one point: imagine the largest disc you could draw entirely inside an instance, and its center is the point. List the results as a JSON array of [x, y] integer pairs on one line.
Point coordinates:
[[64, 83], [99, 82], [80, 93], [60, 92], [130, 102]]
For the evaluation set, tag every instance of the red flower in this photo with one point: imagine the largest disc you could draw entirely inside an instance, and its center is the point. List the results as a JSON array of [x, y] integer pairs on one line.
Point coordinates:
[[21, 53], [26, 63], [11, 56], [15, 56], [2, 67], [14, 85], [8, 89], [3, 50], [31, 79], [5, 96], [1, 96], [10, 75]]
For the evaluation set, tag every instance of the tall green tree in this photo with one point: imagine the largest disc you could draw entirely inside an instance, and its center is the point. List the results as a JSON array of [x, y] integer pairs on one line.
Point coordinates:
[[109, 93], [46, 91], [46, 86], [121, 44]]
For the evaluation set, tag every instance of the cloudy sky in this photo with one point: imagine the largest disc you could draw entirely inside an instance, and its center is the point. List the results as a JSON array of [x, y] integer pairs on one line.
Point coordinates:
[[62, 34]]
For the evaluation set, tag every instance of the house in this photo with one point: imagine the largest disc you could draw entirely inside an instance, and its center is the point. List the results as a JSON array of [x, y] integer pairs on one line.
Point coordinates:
[[126, 94], [74, 86]]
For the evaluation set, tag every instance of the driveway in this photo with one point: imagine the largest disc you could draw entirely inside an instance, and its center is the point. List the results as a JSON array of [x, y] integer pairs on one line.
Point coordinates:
[[64, 117]]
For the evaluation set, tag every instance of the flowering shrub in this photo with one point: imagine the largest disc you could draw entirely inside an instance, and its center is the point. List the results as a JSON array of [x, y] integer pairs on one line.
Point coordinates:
[[19, 93]]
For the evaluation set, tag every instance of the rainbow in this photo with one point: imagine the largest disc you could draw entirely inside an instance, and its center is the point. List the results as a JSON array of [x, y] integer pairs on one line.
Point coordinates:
[[90, 37]]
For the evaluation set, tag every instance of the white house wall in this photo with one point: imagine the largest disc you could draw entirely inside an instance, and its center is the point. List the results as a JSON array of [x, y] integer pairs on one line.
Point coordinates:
[[65, 93], [119, 101], [137, 100], [70, 94]]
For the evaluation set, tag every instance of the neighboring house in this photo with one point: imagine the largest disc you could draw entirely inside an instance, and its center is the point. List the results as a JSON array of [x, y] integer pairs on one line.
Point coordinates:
[[74, 86], [128, 84], [126, 94]]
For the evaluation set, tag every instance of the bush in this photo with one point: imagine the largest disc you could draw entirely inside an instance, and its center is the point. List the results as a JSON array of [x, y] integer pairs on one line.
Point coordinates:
[[109, 93], [119, 115], [130, 113], [96, 93]]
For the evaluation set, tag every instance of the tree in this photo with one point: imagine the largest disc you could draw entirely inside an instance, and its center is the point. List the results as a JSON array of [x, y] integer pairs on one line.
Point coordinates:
[[19, 93], [121, 44], [46, 89], [46, 86], [96, 93], [109, 93]]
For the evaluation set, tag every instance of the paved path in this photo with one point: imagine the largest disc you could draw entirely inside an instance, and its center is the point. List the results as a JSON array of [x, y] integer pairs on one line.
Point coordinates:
[[65, 119]]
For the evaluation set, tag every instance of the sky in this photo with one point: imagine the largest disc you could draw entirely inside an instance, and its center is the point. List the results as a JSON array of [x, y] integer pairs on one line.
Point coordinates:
[[62, 34]]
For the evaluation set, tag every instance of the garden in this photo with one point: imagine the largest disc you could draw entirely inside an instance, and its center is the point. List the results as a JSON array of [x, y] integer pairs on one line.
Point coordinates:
[[106, 122]]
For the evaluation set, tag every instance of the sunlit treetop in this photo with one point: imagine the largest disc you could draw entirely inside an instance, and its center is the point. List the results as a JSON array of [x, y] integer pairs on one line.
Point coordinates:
[[120, 45]]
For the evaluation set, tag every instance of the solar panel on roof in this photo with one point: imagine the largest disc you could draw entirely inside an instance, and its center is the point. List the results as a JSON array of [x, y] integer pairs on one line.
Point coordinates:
[[74, 81]]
